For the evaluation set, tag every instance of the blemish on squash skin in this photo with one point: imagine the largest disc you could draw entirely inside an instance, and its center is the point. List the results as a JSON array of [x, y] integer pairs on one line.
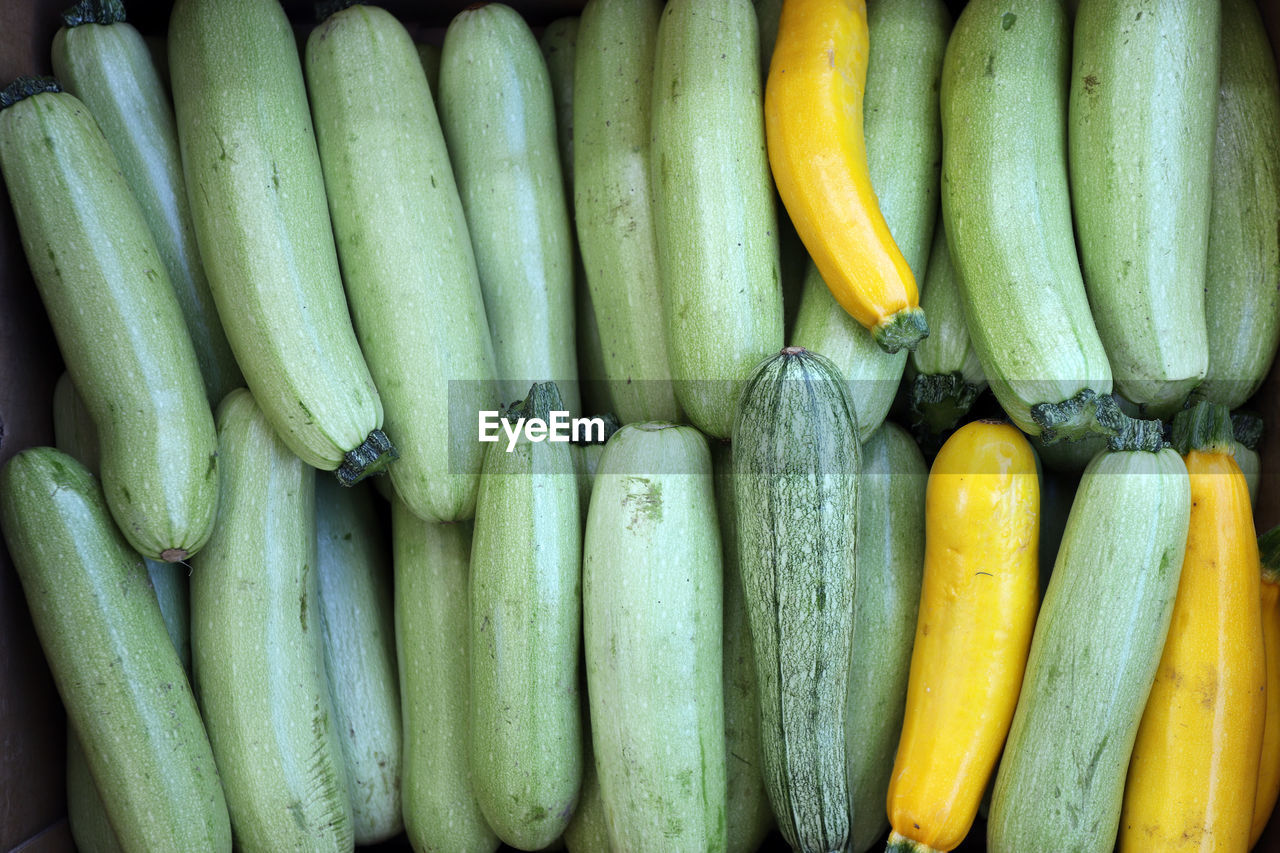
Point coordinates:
[[1090, 83], [644, 500]]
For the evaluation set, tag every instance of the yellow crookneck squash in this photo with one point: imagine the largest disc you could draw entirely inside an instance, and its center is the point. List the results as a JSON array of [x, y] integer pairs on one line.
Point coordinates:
[[813, 128], [1269, 766]]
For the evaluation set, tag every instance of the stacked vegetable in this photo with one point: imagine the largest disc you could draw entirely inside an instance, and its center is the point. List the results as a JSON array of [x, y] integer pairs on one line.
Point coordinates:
[[749, 600]]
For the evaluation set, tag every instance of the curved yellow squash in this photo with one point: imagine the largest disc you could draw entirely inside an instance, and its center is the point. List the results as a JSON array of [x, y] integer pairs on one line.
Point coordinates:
[[1269, 766], [978, 608], [813, 127], [1194, 769]]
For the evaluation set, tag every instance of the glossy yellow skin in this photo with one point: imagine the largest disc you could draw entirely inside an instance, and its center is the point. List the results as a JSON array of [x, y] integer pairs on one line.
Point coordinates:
[[813, 127], [1194, 768], [978, 608], [1264, 800]]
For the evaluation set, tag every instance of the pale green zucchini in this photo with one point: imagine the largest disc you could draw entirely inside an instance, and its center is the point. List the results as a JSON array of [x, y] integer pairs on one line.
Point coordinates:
[[588, 829], [1094, 656], [559, 46], [890, 557], [498, 115], [116, 319], [258, 203], [432, 639], [795, 447], [119, 677], [103, 61], [86, 815], [651, 586], [713, 206], [410, 274], [353, 570], [1140, 130], [1241, 301], [749, 817], [258, 646]]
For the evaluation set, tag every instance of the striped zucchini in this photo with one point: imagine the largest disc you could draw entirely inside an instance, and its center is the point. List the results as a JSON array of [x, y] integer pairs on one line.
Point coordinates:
[[795, 447], [354, 600], [616, 228], [651, 588], [431, 567], [890, 557], [713, 208], [1140, 132], [103, 61], [257, 199], [259, 649], [119, 677], [406, 257], [498, 115], [1093, 657]]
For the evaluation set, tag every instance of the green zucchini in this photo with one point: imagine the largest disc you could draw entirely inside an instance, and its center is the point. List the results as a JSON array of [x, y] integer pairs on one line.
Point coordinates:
[[1093, 657], [259, 648], [526, 610], [749, 815], [498, 115], [119, 677], [429, 56], [616, 228], [258, 202], [1140, 132], [1241, 301], [402, 239], [431, 568], [354, 584], [588, 829], [559, 46], [651, 589], [795, 447], [713, 206], [890, 557], [103, 61], [1007, 211], [86, 815]]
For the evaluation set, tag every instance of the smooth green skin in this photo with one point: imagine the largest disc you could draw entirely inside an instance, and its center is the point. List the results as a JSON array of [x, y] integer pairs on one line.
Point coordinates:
[[105, 641], [111, 70], [498, 115], [750, 817], [1007, 209], [1140, 145], [259, 647], [1242, 303], [713, 206], [117, 322], [948, 349], [559, 46], [86, 816], [1251, 466], [616, 229], [652, 626], [526, 626], [588, 829], [1094, 656], [795, 447], [353, 568], [406, 255], [258, 203], [890, 555]]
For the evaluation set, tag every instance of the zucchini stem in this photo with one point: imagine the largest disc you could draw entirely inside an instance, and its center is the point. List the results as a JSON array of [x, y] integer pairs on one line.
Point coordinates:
[[901, 844], [906, 328], [103, 12], [1091, 412], [373, 456], [1269, 552], [543, 399], [939, 400], [1247, 428], [25, 87], [1204, 426]]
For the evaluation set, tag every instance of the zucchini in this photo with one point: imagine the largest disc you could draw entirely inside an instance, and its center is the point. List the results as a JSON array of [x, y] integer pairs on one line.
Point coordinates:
[[652, 611], [616, 229], [402, 239], [1241, 301], [498, 115], [795, 447], [258, 203], [354, 601], [1247, 435], [117, 672], [116, 318], [259, 649], [713, 211], [104, 61], [431, 567], [526, 610], [588, 829], [429, 55], [86, 815], [890, 556], [1140, 133], [1094, 656]]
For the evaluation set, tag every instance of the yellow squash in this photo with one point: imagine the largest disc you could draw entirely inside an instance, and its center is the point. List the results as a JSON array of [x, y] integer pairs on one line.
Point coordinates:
[[1194, 769], [977, 611], [813, 127], [1269, 766]]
